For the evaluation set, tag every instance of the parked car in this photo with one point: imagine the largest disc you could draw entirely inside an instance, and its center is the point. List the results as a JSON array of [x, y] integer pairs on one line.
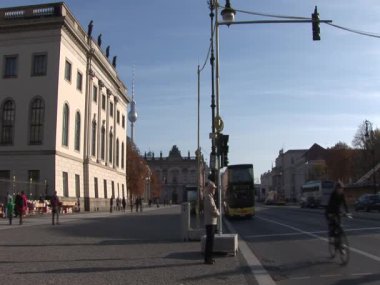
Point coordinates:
[[368, 202], [309, 202]]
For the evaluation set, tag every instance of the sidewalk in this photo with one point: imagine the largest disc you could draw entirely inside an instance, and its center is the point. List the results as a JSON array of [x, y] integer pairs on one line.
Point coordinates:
[[111, 248]]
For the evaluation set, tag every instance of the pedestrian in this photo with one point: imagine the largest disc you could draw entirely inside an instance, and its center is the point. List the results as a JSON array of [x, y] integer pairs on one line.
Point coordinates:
[[131, 204], [141, 204], [111, 204], [10, 208], [123, 203], [21, 205], [211, 213], [117, 204], [55, 203], [137, 203]]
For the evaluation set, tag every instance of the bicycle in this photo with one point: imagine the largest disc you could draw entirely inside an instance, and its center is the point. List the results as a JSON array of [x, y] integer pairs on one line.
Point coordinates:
[[338, 242]]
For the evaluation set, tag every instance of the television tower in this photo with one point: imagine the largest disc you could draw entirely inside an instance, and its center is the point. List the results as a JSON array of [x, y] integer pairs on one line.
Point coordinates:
[[132, 115]]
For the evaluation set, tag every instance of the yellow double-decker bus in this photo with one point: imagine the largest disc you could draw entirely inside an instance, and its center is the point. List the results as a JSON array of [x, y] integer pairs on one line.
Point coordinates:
[[238, 191]]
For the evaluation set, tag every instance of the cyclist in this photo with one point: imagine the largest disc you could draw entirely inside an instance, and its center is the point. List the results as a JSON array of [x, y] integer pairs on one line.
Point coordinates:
[[336, 201]]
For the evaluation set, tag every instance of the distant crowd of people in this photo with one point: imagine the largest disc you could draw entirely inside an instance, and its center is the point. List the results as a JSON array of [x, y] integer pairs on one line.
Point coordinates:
[[120, 205], [18, 206]]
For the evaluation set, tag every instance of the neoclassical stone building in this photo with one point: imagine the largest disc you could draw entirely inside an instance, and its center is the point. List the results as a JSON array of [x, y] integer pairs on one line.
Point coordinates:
[[177, 173], [62, 109]]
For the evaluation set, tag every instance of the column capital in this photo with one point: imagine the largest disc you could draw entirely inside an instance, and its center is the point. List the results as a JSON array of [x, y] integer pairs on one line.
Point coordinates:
[[91, 73]]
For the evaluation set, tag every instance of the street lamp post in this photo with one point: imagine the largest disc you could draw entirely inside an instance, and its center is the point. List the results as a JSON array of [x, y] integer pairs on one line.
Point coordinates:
[[228, 18], [370, 144]]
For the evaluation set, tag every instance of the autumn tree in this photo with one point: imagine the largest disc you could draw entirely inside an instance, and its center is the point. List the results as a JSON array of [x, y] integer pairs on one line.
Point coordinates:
[[367, 139], [137, 171], [340, 162], [156, 186]]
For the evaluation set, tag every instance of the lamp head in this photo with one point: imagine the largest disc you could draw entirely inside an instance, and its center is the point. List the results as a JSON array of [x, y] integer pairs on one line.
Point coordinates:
[[228, 14]]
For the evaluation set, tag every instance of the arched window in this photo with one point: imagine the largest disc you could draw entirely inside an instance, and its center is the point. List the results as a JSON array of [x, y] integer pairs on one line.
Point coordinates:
[[8, 122], [122, 155], [77, 131], [93, 141], [110, 147], [117, 152], [103, 142], [65, 125], [37, 118]]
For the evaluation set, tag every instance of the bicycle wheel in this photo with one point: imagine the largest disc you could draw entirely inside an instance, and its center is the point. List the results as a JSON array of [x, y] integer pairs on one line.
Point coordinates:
[[344, 249], [331, 243]]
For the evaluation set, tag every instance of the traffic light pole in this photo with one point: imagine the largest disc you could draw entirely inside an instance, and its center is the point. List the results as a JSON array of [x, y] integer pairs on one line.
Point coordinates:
[[216, 132]]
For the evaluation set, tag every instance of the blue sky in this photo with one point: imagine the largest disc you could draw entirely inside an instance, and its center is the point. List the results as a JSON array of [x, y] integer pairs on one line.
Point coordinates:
[[279, 89]]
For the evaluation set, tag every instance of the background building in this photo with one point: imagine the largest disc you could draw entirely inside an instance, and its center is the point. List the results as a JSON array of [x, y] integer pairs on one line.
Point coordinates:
[[177, 173], [63, 109], [292, 169]]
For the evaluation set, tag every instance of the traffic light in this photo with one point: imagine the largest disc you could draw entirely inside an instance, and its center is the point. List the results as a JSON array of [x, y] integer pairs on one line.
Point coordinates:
[[315, 24], [224, 149]]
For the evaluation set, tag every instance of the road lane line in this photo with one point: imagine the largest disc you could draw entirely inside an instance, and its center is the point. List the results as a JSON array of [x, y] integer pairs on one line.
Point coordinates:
[[315, 232], [361, 274], [300, 278], [259, 273], [330, 275], [279, 235], [366, 254]]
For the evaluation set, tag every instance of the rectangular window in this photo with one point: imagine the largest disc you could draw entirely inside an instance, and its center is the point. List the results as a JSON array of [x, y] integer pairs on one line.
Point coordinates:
[[103, 101], [34, 175], [39, 65], [96, 187], [123, 121], [113, 189], [5, 181], [95, 94], [68, 71], [118, 117], [10, 66], [79, 81], [5, 175], [93, 139], [65, 186], [111, 109], [105, 188], [34, 178], [77, 185]]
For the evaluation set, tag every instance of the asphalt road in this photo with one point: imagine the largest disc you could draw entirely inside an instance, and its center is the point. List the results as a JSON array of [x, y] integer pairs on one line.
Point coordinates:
[[291, 244]]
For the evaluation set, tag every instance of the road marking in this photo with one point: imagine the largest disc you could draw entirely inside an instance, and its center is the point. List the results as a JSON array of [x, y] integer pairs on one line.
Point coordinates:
[[371, 256], [279, 235], [300, 278], [330, 275], [259, 273], [361, 274], [316, 232]]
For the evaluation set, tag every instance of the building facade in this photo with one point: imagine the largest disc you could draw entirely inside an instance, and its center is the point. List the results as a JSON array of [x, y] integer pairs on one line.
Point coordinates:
[[292, 169], [63, 109], [177, 174]]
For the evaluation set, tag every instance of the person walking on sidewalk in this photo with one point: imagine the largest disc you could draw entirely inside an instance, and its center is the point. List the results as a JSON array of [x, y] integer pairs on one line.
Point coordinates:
[[21, 205], [111, 204], [54, 202], [124, 203], [211, 213], [10, 208]]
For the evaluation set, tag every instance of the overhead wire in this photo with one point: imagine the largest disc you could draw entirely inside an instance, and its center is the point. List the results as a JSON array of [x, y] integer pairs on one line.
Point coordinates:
[[363, 33]]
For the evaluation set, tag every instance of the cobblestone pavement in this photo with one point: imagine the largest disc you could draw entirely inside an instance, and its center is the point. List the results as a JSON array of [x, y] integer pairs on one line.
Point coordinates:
[[104, 248]]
